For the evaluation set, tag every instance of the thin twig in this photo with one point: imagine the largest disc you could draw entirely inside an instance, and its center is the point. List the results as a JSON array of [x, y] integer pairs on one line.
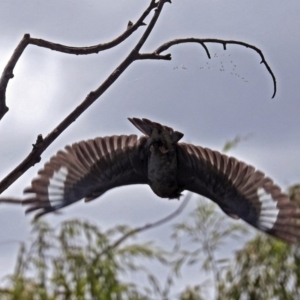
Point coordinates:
[[151, 25], [11, 200], [99, 47], [162, 221], [154, 56], [167, 45], [42, 144], [27, 40], [8, 73]]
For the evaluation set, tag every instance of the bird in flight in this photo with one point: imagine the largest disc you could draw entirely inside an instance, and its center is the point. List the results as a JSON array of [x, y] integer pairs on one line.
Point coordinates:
[[90, 168]]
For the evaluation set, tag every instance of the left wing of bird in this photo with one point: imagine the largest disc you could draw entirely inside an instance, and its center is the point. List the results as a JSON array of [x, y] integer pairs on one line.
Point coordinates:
[[87, 170]]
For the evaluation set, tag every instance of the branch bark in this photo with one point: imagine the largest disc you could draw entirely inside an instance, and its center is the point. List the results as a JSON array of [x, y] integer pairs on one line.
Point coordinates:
[[11, 200], [156, 53], [8, 73], [27, 40], [41, 144]]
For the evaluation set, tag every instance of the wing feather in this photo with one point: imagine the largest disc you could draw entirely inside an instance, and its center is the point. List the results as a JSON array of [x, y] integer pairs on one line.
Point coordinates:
[[239, 189], [87, 170]]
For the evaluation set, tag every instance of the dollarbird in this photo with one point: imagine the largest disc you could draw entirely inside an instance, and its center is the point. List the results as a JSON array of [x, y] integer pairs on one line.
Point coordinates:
[[90, 168]]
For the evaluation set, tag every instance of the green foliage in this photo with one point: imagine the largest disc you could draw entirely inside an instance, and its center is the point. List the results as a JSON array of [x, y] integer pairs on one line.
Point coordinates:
[[294, 192], [77, 261], [206, 232], [192, 294], [234, 142], [265, 268]]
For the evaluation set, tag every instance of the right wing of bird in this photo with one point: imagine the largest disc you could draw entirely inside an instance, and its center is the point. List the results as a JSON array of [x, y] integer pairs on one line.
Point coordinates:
[[239, 189]]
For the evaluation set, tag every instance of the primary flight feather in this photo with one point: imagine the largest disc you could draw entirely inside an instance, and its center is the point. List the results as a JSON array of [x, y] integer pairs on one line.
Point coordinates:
[[90, 168]]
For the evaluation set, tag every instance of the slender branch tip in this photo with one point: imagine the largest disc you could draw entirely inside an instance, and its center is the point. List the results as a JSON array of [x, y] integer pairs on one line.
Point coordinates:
[[171, 43]]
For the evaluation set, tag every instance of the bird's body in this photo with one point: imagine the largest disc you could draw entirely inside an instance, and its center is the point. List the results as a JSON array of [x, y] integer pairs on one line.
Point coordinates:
[[162, 165], [89, 169]]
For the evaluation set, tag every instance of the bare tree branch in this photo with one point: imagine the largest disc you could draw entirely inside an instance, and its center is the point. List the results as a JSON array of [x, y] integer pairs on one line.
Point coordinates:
[[11, 200], [27, 40], [154, 56], [167, 45], [100, 47], [162, 221], [8, 73], [151, 25], [41, 144]]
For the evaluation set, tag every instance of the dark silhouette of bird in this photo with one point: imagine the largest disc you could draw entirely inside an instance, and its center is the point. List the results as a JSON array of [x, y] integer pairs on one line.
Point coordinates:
[[90, 168]]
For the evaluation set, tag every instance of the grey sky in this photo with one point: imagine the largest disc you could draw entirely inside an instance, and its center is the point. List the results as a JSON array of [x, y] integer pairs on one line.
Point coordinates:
[[210, 106]]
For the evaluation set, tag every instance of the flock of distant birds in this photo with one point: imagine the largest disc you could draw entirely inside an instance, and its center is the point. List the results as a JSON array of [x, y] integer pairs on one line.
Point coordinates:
[[221, 69]]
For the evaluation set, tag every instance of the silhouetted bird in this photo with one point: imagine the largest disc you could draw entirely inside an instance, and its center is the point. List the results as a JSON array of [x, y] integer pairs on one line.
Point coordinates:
[[89, 169]]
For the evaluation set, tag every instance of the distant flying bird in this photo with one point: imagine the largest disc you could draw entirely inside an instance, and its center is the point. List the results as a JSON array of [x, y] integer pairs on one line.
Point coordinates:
[[90, 168]]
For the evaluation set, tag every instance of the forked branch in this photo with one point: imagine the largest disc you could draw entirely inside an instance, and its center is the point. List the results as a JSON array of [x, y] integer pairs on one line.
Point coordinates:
[[157, 53], [41, 144], [27, 40]]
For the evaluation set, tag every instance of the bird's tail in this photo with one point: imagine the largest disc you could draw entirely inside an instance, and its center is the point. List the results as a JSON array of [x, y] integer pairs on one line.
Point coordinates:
[[146, 126]]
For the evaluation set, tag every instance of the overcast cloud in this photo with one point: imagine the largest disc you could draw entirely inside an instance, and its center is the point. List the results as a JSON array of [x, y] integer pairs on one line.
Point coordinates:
[[189, 93]]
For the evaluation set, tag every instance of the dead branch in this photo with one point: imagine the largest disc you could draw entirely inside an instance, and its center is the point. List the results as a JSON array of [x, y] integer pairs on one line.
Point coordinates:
[[162, 221], [8, 73], [11, 200], [27, 40], [41, 144], [156, 54]]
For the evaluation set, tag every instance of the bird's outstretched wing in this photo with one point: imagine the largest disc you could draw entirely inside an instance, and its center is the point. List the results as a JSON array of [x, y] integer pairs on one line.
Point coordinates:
[[87, 170], [239, 189]]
